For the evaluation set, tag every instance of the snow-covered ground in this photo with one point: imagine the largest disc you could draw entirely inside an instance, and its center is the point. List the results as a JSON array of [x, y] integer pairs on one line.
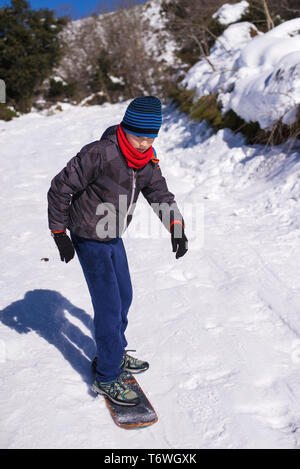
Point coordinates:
[[220, 326]]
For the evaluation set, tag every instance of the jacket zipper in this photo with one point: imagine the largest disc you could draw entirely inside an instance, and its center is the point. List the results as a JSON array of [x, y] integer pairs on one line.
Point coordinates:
[[132, 197]]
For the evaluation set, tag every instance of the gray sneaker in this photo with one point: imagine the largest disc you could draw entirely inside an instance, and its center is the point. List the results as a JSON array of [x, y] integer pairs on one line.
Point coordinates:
[[133, 365], [129, 363], [117, 391]]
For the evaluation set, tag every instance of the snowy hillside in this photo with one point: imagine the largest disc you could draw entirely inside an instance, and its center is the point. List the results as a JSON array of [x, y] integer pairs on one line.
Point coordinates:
[[220, 326], [256, 75], [85, 37]]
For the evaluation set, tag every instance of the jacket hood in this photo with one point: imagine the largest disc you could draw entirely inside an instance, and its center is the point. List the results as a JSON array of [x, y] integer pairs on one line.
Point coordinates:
[[110, 134]]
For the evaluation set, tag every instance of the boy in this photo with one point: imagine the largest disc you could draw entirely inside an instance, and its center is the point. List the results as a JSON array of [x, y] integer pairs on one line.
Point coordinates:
[[87, 197]]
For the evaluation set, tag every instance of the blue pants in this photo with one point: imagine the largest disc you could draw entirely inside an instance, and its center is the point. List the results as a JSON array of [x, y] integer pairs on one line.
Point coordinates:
[[106, 271]]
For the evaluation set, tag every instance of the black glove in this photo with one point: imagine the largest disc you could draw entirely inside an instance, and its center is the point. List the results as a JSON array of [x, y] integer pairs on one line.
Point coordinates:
[[179, 240], [64, 245]]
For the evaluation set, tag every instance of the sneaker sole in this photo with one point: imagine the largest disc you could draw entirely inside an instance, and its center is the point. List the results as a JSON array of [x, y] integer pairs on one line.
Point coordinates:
[[115, 401], [134, 372]]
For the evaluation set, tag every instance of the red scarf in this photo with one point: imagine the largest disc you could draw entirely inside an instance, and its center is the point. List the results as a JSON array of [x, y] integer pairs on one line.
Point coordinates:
[[135, 159]]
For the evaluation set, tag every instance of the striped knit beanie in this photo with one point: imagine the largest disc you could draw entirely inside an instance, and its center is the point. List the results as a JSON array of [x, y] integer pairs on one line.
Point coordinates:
[[143, 117]]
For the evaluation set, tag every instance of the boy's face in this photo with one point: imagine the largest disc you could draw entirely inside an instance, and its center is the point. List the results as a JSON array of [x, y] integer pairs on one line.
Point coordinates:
[[140, 144]]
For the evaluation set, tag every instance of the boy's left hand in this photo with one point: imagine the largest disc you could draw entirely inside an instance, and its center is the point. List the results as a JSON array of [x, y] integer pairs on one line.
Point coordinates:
[[179, 240]]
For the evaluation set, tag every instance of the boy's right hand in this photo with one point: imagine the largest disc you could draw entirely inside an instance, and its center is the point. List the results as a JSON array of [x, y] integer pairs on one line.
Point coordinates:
[[64, 245]]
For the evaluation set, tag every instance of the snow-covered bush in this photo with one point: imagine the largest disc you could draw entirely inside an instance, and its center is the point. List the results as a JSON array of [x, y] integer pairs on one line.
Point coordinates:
[[7, 113], [267, 81], [256, 75], [228, 14]]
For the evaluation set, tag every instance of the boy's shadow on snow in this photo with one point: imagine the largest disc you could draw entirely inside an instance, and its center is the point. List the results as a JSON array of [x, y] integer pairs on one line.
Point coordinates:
[[44, 311]]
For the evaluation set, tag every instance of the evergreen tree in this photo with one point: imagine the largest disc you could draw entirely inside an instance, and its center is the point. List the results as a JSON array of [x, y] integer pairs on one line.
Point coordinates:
[[29, 49]]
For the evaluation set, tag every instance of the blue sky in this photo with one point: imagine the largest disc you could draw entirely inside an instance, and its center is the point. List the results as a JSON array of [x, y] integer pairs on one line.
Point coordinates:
[[76, 8]]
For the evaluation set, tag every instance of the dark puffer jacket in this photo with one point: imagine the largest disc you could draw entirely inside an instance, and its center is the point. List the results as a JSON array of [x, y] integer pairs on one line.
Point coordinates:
[[94, 179]]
